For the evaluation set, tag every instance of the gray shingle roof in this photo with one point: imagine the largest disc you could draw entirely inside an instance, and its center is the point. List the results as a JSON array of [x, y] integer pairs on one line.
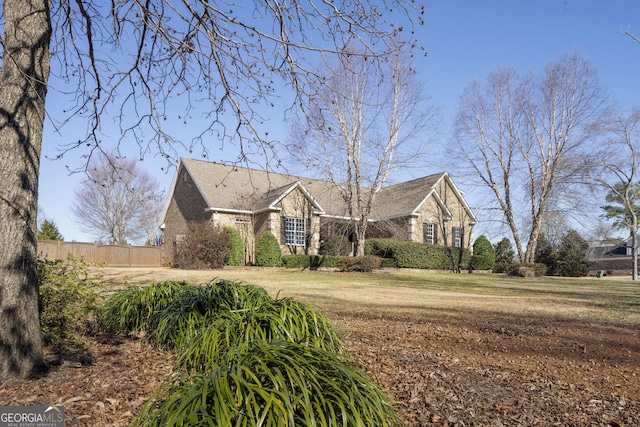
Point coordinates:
[[231, 187]]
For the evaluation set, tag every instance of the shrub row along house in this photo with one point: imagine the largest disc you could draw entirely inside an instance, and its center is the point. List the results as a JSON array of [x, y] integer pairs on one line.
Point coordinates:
[[304, 213]]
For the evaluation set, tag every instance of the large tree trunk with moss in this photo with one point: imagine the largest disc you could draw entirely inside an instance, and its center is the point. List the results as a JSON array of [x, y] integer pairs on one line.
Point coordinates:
[[23, 86]]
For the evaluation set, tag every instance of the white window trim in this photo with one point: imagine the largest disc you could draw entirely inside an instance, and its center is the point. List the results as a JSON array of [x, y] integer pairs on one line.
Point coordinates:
[[295, 231], [429, 233], [457, 237]]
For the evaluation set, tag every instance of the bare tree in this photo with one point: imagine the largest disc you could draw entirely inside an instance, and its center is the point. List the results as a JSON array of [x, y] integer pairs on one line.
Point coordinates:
[[527, 140], [118, 202], [360, 125], [144, 62], [621, 159]]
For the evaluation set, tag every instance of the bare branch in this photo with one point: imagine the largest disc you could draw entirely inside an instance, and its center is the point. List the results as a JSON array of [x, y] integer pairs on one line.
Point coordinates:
[[118, 203], [222, 64], [360, 125], [527, 140]]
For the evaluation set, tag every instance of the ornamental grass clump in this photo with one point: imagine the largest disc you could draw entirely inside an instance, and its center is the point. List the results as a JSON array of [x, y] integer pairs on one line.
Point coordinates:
[[246, 359], [272, 383], [277, 319], [132, 309], [190, 311]]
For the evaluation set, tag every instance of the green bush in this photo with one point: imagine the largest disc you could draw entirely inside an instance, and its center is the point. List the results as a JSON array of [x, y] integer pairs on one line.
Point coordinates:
[[547, 254], [572, 260], [364, 264], [190, 311], [486, 255], [247, 359], [268, 252], [132, 309], [408, 254], [236, 255], [504, 256], [312, 262], [204, 246], [67, 302], [522, 269], [478, 262], [273, 383], [389, 263], [270, 320]]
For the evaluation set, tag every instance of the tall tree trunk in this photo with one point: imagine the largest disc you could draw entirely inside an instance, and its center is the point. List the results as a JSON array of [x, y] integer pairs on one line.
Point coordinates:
[[359, 235], [634, 244], [23, 87]]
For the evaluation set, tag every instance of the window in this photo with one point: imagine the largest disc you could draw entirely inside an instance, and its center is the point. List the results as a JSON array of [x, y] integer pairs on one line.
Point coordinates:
[[430, 233], [457, 236], [294, 231]]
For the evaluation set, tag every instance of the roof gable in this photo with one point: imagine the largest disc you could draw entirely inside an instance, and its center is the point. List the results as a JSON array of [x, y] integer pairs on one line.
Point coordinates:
[[232, 188], [275, 196], [446, 179]]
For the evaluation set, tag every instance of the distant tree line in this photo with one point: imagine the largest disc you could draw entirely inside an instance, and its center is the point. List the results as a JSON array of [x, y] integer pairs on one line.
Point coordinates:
[[567, 258]]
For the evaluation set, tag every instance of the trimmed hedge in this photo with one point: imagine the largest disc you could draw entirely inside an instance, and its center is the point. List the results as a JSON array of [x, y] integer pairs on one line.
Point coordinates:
[[236, 257], [309, 261], [268, 252], [407, 254], [483, 249]]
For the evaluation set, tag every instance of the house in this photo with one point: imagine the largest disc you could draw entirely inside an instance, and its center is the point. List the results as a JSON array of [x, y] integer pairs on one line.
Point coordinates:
[[302, 213], [616, 258]]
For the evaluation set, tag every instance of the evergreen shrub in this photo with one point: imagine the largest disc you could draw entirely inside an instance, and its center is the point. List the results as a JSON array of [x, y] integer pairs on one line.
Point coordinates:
[[268, 252], [572, 260], [335, 245], [504, 256], [486, 255], [419, 255], [479, 262], [236, 255]]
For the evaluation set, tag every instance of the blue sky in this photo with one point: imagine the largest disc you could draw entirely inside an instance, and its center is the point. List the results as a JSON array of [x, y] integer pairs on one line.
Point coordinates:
[[465, 40]]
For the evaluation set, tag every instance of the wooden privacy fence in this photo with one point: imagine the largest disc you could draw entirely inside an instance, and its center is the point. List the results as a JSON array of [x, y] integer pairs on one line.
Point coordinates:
[[112, 255]]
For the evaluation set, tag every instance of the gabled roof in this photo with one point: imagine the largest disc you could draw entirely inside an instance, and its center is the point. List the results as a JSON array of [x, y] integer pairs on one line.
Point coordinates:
[[231, 188], [274, 196]]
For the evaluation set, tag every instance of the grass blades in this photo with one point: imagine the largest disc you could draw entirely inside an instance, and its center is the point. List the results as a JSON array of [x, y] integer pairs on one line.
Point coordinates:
[[247, 359], [276, 383], [186, 316], [132, 309], [283, 319]]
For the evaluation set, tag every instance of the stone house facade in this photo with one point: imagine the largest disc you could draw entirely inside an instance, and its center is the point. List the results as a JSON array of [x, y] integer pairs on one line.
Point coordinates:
[[302, 213]]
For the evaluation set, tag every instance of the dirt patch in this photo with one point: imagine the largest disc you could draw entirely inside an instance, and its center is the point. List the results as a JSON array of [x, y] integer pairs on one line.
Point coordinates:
[[107, 386], [490, 373], [440, 372]]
